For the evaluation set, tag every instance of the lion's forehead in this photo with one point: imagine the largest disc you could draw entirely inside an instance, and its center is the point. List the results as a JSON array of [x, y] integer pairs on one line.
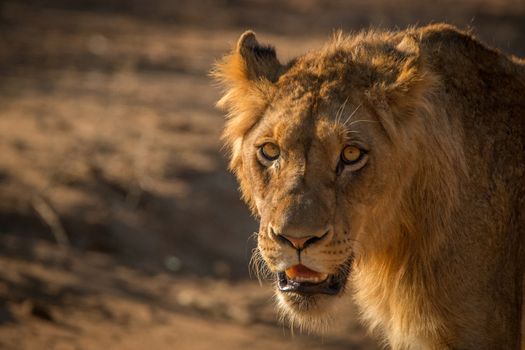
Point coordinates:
[[325, 76]]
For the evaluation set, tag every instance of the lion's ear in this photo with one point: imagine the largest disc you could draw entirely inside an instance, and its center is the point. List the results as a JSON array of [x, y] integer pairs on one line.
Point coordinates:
[[247, 76], [414, 79], [404, 85], [260, 62]]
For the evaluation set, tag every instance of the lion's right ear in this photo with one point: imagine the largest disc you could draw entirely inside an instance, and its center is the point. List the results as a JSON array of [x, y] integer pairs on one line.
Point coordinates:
[[247, 76]]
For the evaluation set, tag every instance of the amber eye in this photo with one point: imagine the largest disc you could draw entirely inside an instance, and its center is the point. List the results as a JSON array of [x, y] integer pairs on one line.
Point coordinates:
[[351, 154], [270, 151]]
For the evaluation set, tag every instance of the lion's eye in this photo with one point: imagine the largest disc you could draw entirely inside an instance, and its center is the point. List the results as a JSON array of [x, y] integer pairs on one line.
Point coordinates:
[[270, 151], [351, 154]]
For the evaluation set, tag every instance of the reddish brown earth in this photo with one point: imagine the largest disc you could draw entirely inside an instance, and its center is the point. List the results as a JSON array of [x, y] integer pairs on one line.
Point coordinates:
[[120, 226]]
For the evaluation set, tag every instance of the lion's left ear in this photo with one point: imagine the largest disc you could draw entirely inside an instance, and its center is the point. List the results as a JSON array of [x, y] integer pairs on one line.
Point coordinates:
[[406, 85]]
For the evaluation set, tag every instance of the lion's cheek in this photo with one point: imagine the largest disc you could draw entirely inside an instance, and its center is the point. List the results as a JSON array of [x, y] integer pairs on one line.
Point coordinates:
[[258, 204]]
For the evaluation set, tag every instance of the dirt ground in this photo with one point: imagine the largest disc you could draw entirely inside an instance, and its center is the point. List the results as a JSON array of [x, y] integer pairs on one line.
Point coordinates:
[[120, 226]]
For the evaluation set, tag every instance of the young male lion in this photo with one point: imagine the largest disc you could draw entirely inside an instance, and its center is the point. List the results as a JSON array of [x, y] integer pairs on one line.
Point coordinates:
[[391, 165]]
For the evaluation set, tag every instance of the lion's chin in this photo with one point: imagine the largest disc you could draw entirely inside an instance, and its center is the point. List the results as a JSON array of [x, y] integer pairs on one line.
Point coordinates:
[[307, 312], [304, 305]]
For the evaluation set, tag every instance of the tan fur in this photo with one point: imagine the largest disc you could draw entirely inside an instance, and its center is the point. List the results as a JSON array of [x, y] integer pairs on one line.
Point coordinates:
[[433, 224]]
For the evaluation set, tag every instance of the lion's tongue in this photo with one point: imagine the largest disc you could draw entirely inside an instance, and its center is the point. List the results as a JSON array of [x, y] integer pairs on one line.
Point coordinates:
[[301, 273]]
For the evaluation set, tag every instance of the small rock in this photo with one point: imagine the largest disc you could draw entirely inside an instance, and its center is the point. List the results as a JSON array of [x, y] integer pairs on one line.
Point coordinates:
[[42, 311]]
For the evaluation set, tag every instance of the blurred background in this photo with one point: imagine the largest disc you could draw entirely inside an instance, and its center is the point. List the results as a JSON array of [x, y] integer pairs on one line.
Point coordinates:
[[120, 226]]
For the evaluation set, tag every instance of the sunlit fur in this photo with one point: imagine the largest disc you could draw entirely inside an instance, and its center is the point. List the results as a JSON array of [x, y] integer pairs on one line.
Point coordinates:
[[434, 220]]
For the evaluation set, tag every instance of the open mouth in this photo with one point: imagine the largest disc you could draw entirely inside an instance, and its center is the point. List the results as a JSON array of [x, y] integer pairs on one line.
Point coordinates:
[[300, 279]]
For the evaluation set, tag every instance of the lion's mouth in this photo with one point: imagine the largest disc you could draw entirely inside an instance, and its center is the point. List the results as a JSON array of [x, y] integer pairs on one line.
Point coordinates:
[[302, 280]]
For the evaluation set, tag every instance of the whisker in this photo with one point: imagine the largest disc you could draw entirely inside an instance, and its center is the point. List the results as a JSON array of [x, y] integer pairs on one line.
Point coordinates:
[[251, 263], [339, 113], [352, 114], [255, 265], [362, 121], [250, 237], [259, 267]]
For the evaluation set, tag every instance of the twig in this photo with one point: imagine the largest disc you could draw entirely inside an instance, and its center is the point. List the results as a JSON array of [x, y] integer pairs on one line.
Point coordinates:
[[50, 217]]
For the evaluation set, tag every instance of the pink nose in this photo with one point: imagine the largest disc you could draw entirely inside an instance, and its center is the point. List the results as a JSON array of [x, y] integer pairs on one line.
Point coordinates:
[[299, 242], [299, 237]]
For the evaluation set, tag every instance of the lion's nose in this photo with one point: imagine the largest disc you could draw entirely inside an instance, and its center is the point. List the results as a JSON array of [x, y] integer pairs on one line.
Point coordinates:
[[300, 242]]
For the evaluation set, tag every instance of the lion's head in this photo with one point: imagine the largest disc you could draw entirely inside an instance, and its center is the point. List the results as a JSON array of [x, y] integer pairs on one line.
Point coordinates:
[[333, 157]]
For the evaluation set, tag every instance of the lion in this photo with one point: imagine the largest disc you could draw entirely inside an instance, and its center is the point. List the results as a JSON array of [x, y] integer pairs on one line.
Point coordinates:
[[387, 167]]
